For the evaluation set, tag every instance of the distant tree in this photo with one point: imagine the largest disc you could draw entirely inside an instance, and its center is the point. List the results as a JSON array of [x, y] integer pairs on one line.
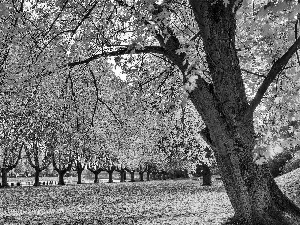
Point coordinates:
[[81, 149], [63, 154], [97, 158], [11, 141], [110, 167], [97, 155], [120, 167], [40, 142], [96, 166]]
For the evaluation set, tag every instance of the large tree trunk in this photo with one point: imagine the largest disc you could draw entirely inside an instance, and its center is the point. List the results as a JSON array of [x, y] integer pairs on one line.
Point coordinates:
[[257, 199], [4, 178], [37, 178]]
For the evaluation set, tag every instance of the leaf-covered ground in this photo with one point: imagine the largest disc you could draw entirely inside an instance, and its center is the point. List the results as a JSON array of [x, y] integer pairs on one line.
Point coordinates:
[[155, 202]]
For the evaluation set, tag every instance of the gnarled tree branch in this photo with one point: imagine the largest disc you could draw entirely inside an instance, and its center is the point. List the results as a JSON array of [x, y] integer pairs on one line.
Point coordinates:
[[120, 51]]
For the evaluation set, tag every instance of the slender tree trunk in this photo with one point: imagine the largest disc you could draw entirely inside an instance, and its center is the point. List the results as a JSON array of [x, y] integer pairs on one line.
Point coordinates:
[[79, 173], [96, 175], [79, 168], [37, 178], [141, 176], [122, 176], [4, 178], [132, 176], [148, 176], [110, 177], [61, 177], [206, 175]]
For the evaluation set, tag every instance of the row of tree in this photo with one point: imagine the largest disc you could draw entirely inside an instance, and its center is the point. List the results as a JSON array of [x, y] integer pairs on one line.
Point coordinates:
[[235, 60], [50, 124]]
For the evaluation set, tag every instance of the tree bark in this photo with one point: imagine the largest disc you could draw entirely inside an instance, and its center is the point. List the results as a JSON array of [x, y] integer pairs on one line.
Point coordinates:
[[37, 178], [4, 178]]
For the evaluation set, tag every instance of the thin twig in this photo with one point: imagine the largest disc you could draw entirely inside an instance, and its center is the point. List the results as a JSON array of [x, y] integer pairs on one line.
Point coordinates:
[[100, 100], [253, 73]]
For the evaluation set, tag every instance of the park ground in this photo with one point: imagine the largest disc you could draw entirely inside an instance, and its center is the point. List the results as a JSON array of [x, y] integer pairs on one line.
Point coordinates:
[[154, 202]]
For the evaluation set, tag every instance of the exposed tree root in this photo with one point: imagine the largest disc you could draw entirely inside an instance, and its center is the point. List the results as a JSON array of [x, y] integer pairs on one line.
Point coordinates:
[[266, 219]]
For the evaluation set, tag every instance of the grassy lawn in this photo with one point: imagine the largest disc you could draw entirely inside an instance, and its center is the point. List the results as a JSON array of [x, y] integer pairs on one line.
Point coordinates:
[[154, 202]]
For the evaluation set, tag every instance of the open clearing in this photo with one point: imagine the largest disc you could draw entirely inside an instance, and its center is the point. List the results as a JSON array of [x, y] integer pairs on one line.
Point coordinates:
[[154, 202]]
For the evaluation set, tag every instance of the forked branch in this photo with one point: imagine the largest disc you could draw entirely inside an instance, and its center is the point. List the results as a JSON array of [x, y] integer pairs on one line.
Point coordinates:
[[275, 70]]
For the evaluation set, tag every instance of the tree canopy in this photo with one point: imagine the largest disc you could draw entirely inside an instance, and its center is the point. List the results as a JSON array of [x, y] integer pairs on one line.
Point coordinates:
[[235, 61]]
